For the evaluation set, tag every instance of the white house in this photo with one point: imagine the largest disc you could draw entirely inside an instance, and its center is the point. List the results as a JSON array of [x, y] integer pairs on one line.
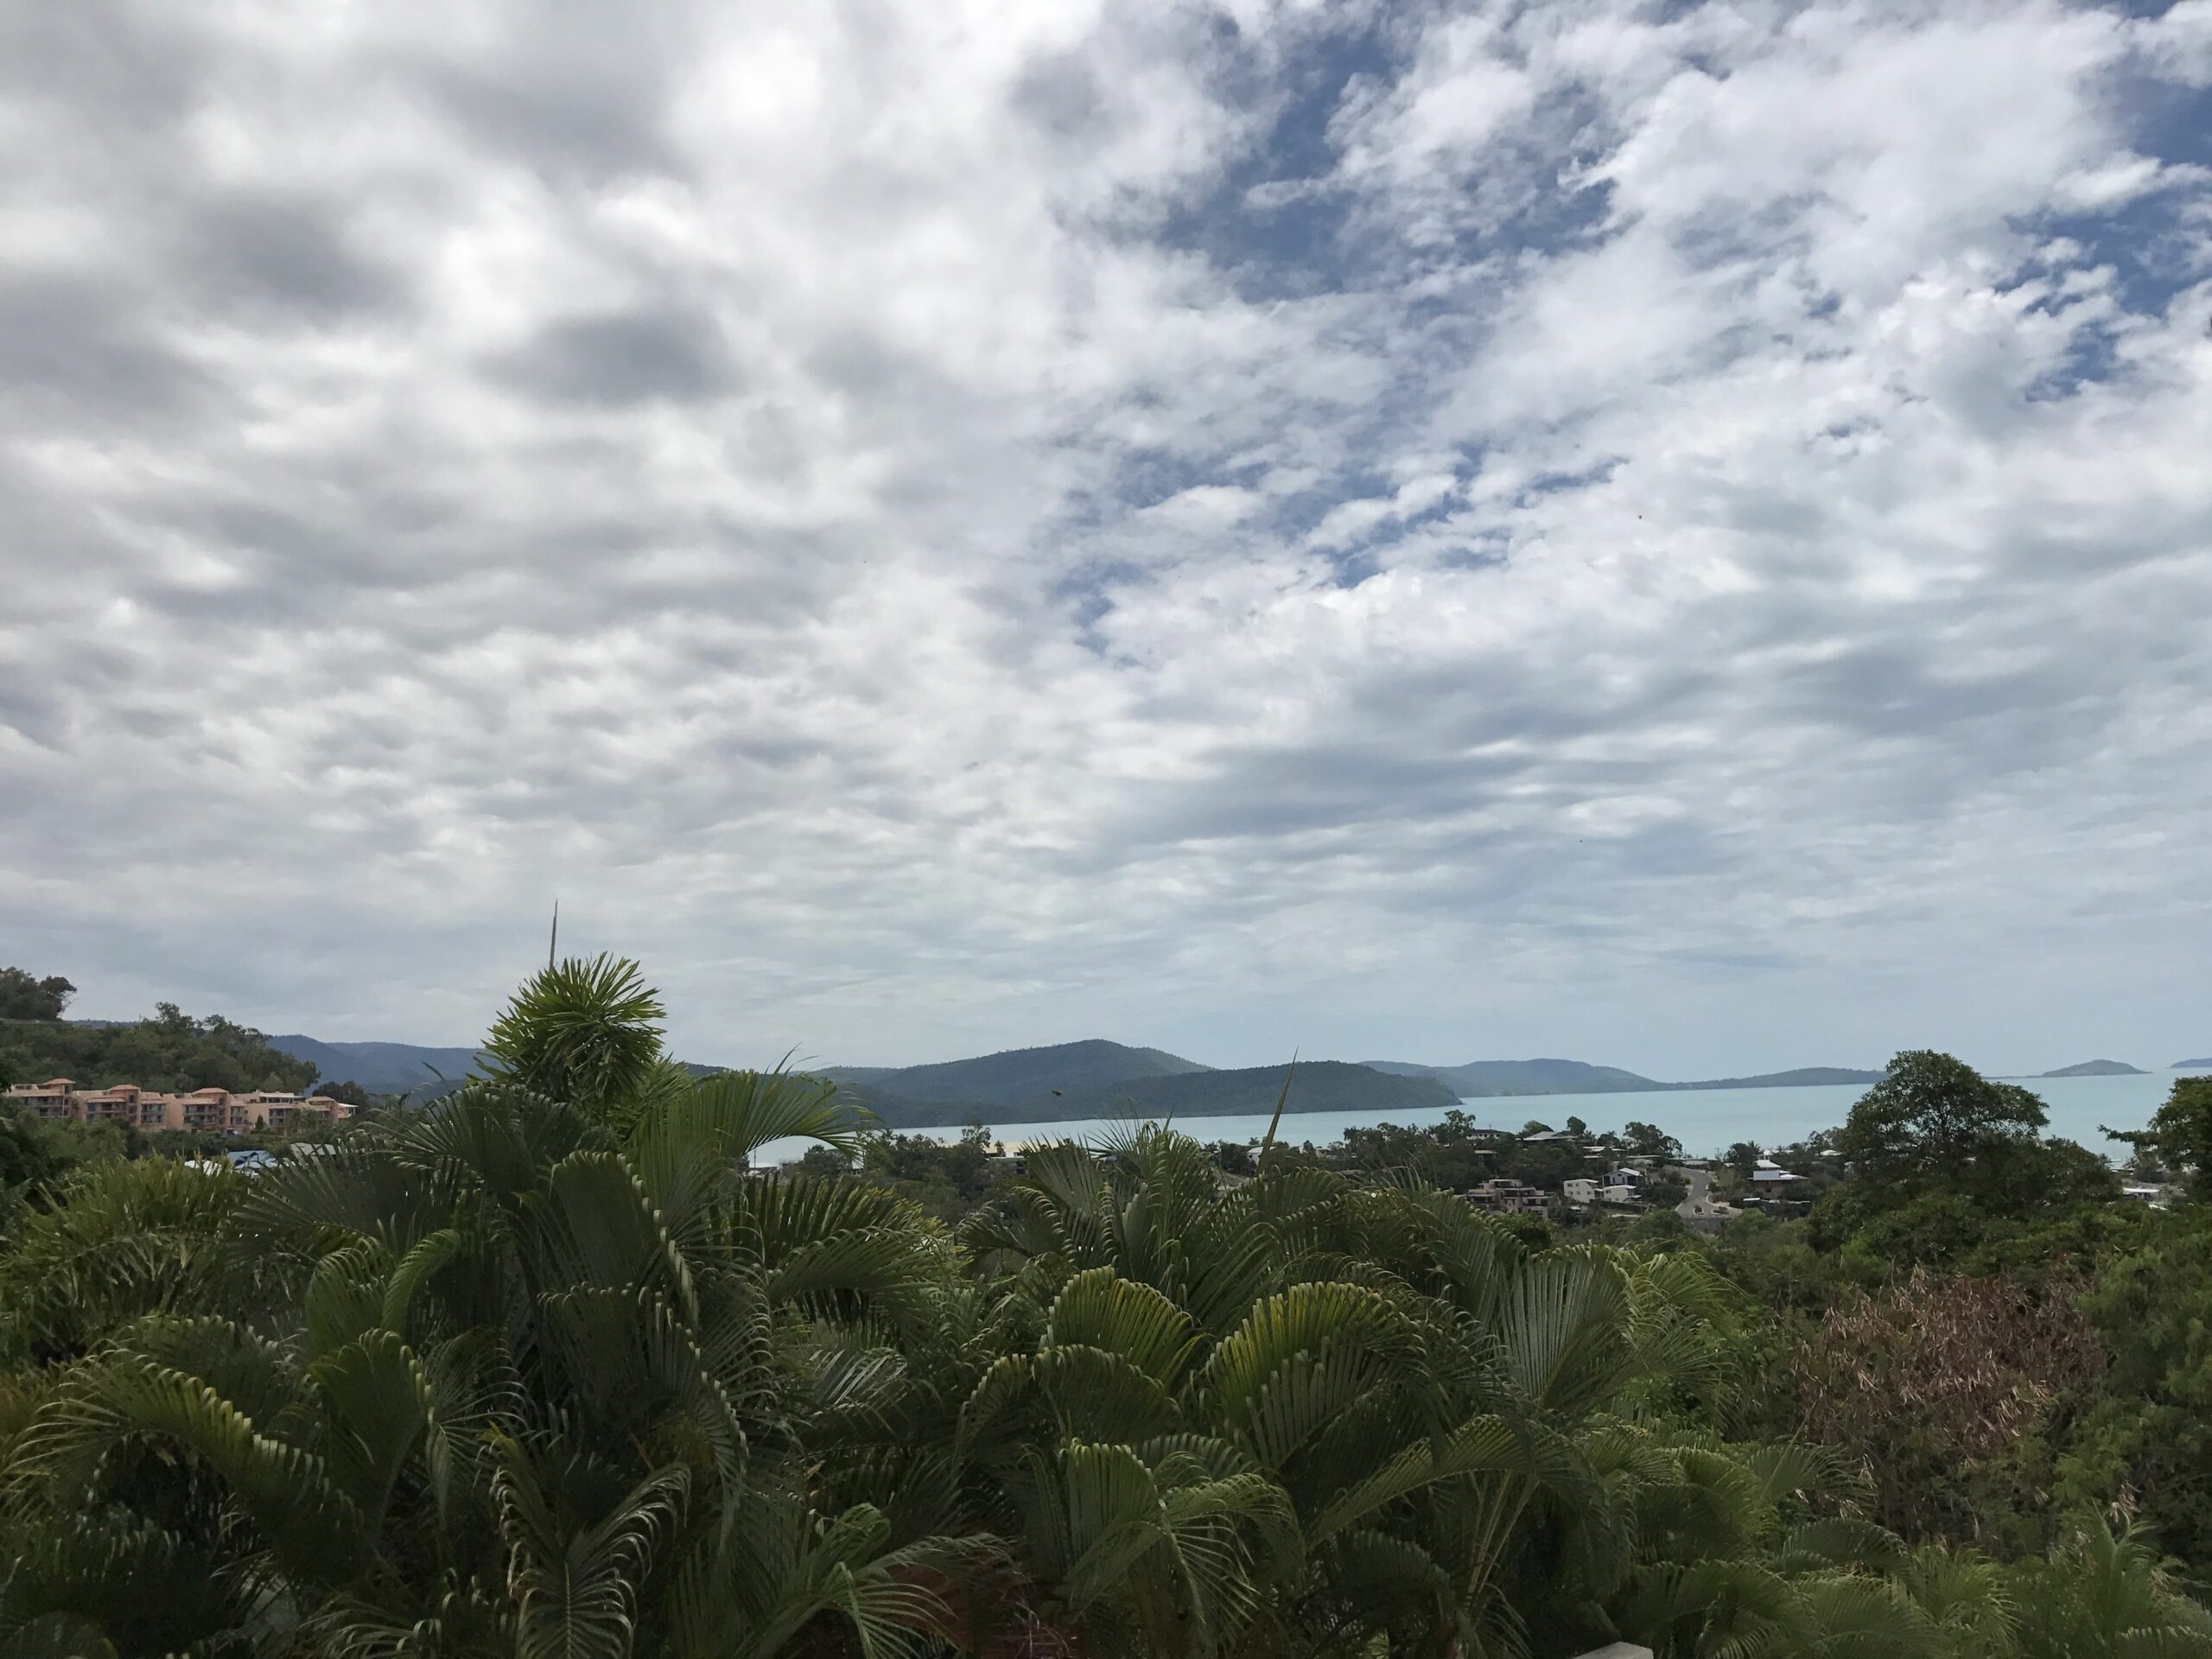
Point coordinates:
[[1504, 1195], [1619, 1192], [1767, 1173], [1581, 1190]]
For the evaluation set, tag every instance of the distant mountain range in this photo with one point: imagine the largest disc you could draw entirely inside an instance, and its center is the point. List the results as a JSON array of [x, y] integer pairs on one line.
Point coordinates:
[[1091, 1080], [1490, 1079], [1101, 1079], [400, 1068], [382, 1068]]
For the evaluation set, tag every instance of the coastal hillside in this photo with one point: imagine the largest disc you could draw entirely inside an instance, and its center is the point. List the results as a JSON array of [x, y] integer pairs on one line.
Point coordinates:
[[1315, 1086], [171, 1052], [1017, 1077], [2099, 1069]]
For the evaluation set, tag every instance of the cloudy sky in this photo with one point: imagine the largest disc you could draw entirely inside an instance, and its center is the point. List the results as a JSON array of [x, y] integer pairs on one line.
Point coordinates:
[[1679, 536]]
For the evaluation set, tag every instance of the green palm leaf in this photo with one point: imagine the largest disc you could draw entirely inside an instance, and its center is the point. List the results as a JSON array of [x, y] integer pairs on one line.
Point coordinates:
[[574, 1577]]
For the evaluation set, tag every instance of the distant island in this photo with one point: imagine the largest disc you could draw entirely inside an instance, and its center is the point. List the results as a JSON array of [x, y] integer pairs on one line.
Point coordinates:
[[1056, 1083], [1491, 1079], [2190, 1065], [1097, 1078], [1018, 1077], [1805, 1076], [1315, 1086], [1091, 1078]]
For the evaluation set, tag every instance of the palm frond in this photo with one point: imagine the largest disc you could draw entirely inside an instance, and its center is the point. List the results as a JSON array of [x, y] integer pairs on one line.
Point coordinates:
[[585, 1032]]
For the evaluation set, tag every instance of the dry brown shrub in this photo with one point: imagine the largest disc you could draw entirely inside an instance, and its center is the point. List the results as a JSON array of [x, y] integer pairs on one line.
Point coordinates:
[[1938, 1373]]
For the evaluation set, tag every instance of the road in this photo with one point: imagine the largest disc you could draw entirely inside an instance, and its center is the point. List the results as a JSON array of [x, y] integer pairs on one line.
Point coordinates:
[[1695, 1206]]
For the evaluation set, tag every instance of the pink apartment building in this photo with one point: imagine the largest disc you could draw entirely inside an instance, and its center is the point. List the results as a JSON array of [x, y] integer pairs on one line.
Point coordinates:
[[217, 1110]]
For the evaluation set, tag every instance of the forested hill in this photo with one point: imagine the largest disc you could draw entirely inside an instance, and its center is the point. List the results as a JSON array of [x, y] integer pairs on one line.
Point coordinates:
[[1489, 1078], [170, 1052], [1315, 1086], [1018, 1077]]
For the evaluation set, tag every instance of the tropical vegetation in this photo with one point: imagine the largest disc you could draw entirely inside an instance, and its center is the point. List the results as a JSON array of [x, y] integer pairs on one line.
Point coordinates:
[[552, 1367], [171, 1050]]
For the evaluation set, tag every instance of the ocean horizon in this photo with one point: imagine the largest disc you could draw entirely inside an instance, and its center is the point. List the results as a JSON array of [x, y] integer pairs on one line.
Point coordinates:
[[1705, 1120]]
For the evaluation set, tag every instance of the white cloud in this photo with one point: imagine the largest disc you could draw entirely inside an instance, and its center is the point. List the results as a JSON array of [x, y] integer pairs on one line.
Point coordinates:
[[942, 528]]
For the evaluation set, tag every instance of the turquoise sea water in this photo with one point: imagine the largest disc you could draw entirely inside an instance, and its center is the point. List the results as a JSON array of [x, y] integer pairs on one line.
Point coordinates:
[[1703, 1120]]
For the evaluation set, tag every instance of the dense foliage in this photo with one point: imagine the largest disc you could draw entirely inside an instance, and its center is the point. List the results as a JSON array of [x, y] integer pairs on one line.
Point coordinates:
[[171, 1052], [26, 997], [2178, 1141], [548, 1368]]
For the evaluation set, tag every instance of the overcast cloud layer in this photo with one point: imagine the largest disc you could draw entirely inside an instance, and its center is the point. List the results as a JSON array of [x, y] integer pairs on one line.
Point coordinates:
[[1677, 536]]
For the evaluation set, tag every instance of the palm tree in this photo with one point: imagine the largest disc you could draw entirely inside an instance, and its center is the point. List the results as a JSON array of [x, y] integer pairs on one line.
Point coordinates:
[[545, 1387], [2105, 1594], [1371, 1404]]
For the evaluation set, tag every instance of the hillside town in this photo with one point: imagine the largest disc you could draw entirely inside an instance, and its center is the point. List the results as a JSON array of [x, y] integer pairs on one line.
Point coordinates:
[[1633, 1182]]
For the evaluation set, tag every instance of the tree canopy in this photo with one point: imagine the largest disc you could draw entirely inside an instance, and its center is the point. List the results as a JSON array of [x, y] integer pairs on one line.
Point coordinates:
[[2179, 1138], [24, 996]]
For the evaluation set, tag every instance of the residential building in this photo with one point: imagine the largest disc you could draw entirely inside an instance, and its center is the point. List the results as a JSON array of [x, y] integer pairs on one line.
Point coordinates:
[[1581, 1190], [1768, 1173], [47, 1100], [125, 1103], [215, 1111], [1504, 1195], [211, 1111]]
